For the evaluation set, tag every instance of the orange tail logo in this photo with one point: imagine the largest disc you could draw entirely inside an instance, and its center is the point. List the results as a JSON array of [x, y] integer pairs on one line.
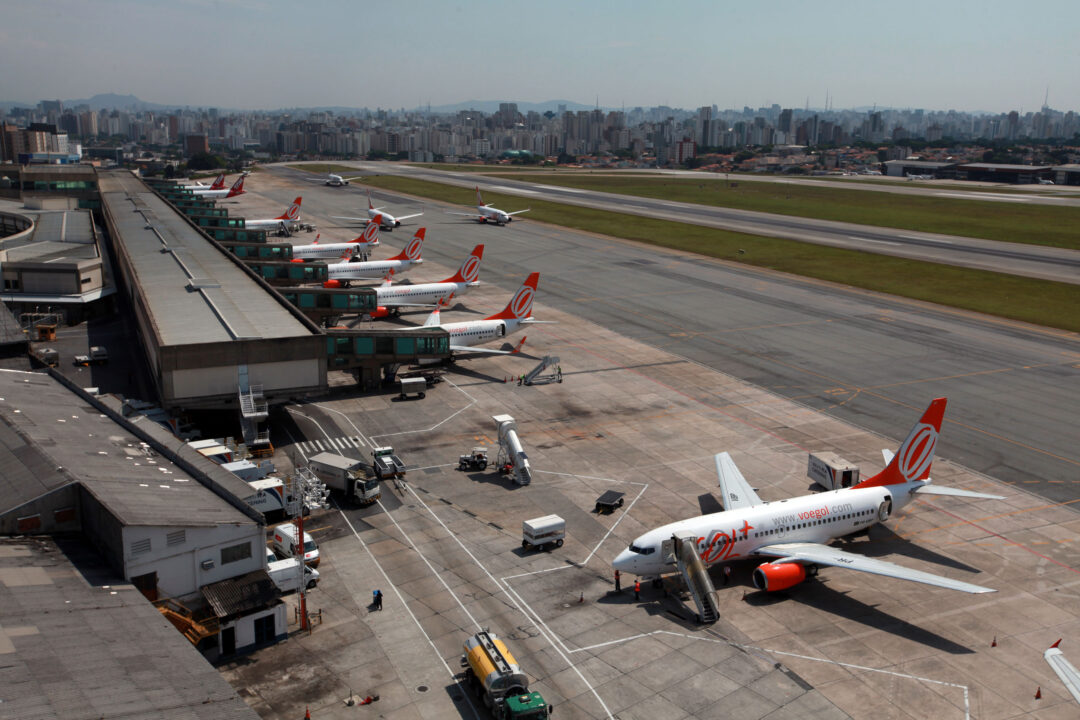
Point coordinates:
[[237, 188], [412, 250], [370, 234], [520, 306], [912, 461], [293, 212], [469, 271]]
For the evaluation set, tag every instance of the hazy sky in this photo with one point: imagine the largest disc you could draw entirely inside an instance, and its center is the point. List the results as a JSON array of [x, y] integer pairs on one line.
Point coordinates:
[[937, 54]]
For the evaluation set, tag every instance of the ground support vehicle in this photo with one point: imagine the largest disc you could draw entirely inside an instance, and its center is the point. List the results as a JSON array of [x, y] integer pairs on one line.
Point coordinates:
[[347, 476], [386, 463], [543, 532], [493, 674], [477, 459]]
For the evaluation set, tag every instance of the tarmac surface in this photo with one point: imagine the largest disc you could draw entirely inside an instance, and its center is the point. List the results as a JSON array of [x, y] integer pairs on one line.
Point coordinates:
[[667, 360], [1048, 263], [869, 359]]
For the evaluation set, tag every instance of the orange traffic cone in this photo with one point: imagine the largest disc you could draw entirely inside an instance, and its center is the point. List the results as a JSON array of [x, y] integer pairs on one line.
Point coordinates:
[[994, 643], [307, 713], [1038, 693]]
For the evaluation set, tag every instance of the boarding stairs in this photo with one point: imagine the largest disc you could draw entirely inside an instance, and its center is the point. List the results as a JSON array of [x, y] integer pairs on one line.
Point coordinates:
[[195, 627], [696, 575], [254, 410], [536, 376]]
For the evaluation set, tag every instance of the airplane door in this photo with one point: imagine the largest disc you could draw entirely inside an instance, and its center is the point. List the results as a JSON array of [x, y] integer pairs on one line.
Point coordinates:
[[667, 551], [502, 329]]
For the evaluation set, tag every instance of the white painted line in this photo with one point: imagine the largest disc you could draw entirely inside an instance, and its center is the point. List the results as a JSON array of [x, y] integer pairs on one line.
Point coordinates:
[[926, 239], [984, 196], [436, 425], [464, 690], [359, 435], [556, 188], [318, 444], [505, 188], [880, 242]]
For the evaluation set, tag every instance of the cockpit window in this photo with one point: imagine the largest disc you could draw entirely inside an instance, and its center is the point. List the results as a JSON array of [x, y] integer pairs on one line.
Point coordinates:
[[641, 550]]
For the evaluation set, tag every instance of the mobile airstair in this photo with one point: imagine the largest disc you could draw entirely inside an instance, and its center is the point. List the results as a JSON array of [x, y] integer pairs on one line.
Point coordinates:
[[697, 579], [537, 376]]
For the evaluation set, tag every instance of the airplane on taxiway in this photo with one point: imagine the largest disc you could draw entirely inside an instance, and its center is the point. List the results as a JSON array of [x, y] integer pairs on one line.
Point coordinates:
[[362, 246], [794, 534], [485, 213], [386, 220], [341, 274]]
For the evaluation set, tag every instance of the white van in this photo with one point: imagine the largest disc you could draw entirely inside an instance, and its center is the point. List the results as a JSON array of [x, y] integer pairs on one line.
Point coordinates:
[[285, 544], [286, 575]]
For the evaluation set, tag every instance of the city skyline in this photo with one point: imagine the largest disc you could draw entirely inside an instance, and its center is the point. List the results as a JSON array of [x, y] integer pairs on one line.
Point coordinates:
[[265, 55]]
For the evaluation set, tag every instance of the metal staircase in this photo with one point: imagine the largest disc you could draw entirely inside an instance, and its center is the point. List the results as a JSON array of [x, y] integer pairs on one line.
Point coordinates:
[[697, 579], [253, 410], [536, 376]]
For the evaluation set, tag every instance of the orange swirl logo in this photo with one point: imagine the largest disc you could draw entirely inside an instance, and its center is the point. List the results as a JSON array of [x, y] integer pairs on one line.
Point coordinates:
[[471, 269], [370, 232], [293, 212], [521, 305], [917, 453], [412, 251]]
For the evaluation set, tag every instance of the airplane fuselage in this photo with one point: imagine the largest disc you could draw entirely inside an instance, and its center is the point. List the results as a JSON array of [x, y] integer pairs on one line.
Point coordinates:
[[737, 534], [330, 250], [490, 214], [478, 332], [372, 270], [388, 222], [423, 293]]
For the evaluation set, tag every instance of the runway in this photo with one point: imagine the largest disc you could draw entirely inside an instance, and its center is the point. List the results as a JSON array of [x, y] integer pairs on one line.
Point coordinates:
[[868, 359], [1046, 263]]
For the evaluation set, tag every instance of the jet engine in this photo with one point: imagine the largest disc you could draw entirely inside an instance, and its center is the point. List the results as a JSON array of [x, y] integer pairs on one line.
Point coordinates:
[[331, 284], [772, 577]]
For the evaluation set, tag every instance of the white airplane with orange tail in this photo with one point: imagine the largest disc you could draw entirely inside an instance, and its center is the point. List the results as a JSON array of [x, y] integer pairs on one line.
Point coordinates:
[[286, 220], [795, 533], [345, 251], [385, 220], [341, 274], [515, 316], [485, 213], [218, 184], [436, 294], [221, 192]]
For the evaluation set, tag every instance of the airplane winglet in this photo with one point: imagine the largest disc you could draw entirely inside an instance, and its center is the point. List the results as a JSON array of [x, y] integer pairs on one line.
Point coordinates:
[[1056, 644], [517, 348]]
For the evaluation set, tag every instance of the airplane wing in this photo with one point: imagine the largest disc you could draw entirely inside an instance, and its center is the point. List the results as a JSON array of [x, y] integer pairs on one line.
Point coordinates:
[[518, 212], [470, 350], [406, 217], [1064, 669], [817, 554], [354, 219], [471, 215], [735, 492], [530, 321]]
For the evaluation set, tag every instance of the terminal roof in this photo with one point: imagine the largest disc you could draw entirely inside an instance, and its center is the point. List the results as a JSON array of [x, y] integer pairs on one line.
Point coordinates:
[[50, 436], [76, 641], [195, 293]]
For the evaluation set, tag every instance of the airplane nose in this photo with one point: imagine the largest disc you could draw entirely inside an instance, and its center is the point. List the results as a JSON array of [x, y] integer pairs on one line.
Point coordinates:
[[623, 561]]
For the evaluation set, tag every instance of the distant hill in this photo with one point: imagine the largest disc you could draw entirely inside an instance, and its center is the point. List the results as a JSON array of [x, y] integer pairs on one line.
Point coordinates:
[[492, 106]]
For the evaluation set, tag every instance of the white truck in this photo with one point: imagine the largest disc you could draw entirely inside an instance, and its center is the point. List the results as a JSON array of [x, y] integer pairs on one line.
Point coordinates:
[[831, 471], [347, 476], [543, 532], [98, 356], [512, 458], [386, 464], [286, 575]]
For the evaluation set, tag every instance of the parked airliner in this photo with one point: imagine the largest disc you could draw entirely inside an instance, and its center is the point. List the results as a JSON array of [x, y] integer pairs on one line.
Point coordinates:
[[220, 193], [1064, 669], [361, 246], [795, 533], [516, 315], [385, 220], [218, 184], [436, 294], [341, 274], [485, 213], [286, 220]]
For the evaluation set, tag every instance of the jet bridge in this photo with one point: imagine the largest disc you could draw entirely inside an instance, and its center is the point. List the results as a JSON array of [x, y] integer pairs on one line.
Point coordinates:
[[696, 576]]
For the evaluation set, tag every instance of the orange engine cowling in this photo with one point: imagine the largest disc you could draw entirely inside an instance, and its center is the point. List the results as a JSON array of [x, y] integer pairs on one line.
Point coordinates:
[[297, 260], [332, 284], [380, 312], [771, 577]]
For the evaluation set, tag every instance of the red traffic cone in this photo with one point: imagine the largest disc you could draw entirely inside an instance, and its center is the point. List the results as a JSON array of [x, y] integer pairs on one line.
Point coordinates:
[[1038, 693], [994, 643], [307, 713], [581, 599]]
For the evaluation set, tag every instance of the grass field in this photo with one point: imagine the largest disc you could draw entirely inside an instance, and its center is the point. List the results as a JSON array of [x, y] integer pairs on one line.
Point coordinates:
[[1014, 222], [1009, 296]]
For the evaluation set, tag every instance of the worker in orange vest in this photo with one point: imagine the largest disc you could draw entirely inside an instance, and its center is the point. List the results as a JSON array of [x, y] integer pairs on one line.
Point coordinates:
[[637, 589]]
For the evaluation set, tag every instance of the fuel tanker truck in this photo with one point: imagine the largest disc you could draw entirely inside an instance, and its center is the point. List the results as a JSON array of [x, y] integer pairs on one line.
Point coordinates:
[[497, 678]]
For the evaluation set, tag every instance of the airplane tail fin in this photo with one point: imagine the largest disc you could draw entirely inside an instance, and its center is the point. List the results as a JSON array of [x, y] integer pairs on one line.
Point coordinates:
[[413, 249], [316, 240], [470, 269], [370, 236], [433, 320], [370, 206], [238, 187], [293, 212], [479, 200], [520, 306], [912, 461], [219, 182]]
